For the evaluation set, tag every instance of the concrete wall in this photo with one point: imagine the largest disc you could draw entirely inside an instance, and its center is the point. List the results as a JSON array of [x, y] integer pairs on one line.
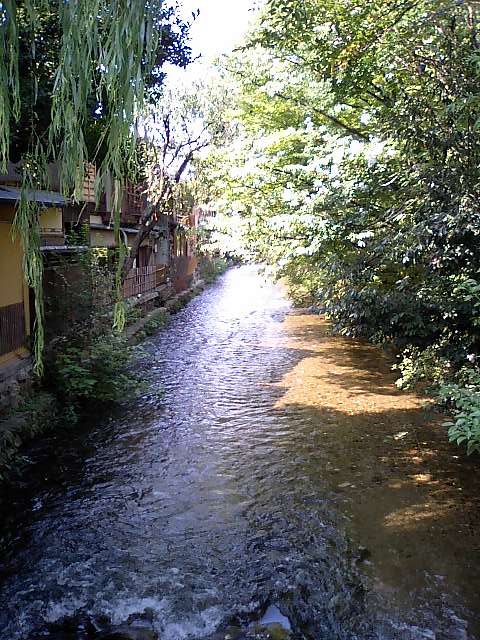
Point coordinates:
[[51, 220], [105, 238]]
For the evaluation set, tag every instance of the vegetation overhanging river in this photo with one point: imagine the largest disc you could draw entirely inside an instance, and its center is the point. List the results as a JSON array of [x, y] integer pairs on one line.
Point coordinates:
[[279, 467]]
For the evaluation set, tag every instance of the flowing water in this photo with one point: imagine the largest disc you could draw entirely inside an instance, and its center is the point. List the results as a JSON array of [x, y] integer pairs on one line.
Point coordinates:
[[201, 505]]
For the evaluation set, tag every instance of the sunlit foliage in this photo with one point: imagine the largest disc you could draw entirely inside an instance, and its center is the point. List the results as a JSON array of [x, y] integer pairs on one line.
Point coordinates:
[[359, 168]]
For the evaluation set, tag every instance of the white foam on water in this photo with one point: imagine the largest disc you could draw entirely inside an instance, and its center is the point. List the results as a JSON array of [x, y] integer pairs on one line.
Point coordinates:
[[196, 626], [454, 629], [168, 622], [62, 609], [120, 610]]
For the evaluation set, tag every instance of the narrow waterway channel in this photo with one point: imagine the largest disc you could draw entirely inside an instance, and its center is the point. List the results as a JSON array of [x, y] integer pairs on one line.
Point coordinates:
[[248, 482]]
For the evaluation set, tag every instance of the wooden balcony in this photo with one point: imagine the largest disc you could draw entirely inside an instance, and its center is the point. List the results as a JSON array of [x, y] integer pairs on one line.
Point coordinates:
[[134, 203], [144, 280], [89, 183], [13, 177], [12, 328]]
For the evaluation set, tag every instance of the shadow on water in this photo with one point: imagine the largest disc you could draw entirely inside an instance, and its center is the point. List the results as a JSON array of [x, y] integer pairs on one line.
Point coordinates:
[[270, 472]]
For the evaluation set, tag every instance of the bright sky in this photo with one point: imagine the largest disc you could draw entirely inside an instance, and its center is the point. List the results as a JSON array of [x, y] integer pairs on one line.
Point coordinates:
[[218, 29], [220, 25]]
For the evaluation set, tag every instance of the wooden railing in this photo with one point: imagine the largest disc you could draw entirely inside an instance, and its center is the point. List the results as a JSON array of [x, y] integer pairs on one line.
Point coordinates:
[[161, 276], [139, 281], [12, 328], [143, 280]]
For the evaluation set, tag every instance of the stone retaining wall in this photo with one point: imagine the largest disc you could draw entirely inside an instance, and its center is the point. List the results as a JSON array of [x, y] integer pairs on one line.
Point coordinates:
[[15, 379]]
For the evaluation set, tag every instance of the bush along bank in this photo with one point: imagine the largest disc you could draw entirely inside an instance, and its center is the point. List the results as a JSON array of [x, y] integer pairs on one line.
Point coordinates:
[[34, 415], [212, 268], [81, 375]]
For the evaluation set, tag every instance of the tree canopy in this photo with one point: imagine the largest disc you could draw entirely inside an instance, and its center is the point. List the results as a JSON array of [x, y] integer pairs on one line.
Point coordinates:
[[357, 168]]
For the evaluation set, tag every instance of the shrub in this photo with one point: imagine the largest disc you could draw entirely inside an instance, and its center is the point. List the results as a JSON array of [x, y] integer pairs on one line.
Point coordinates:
[[457, 388], [463, 398], [35, 414], [211, 268], [92, 371], [155, 324], [133, 315], [423, 367]]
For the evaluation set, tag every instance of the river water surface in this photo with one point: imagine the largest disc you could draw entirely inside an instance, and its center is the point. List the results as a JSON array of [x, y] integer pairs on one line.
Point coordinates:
[[206, 503]]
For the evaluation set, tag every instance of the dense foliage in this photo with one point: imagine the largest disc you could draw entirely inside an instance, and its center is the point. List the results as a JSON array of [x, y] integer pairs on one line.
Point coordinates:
[[90, 371], [357, 173], [87, 364]]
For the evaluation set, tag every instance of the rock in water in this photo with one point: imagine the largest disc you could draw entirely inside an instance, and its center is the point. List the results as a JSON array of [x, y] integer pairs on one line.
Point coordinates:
[[273, 615], [273, 625], [277, 632]]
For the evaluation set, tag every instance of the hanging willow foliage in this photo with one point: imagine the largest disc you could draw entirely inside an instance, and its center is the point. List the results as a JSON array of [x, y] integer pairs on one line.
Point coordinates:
[[27, 225], [9, 77], [107, 51]]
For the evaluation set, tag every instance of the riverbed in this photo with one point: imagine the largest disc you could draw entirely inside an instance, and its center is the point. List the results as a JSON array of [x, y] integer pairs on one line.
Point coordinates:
[[267, 464]]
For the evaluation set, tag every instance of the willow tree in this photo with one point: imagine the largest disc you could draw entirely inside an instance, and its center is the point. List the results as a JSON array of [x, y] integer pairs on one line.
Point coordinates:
[[63, 64]]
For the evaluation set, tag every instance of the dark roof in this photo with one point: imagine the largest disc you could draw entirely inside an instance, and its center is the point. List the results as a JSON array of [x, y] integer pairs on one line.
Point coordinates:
[[13, 194], [107, 227], [64, 248]]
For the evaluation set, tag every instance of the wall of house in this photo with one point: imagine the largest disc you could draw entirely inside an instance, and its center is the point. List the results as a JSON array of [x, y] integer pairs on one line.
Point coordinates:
[[13, 290], [11, 273], [105, 238], [101, 238], [51, 227], [162, 251], [51, 219]]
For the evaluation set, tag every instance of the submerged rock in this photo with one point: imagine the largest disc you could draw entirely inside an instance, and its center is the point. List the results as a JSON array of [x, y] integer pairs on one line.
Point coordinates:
[[229, 633], [275, 631], [273, 615], [362, 554], [272, 631], [273, 625]]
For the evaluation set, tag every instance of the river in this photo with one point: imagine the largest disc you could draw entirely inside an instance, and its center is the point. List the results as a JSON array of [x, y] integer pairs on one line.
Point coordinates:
[[207, 500]]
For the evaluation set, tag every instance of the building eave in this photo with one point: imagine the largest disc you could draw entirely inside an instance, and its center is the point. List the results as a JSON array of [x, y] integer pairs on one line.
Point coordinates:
[[49, 198], [64, 249]]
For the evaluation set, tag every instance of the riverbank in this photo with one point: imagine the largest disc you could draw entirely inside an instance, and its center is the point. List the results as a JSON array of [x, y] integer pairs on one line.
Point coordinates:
[[411, 500]]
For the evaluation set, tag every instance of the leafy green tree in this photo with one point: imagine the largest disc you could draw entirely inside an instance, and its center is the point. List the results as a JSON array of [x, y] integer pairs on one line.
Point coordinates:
[[182, 123], [358, 167]]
